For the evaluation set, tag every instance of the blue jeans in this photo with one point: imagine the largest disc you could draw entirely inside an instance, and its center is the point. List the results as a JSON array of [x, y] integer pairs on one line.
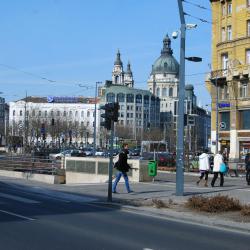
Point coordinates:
[[117, 179]]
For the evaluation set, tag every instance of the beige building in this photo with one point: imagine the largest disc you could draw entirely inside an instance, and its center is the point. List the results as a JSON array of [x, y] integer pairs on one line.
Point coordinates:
[[228, 82]]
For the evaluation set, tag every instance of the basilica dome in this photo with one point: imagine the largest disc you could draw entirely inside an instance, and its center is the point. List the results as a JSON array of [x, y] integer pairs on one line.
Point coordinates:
[[166, 63]]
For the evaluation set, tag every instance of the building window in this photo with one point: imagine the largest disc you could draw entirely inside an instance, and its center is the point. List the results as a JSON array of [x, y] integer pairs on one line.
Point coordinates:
[[138, 98], [248, 56], [130, 98], [225, 118], [33, 113], [14, 112], [45, 113], [243, 89], [244, 119], [171, 92], [248, 3], [146, 100], [64, 113], [158, 91], [70, 113], [110, 97], [87, 124], [21, 113], [120, 97], [224, 61], [229, 32], [58, 113], [229, 8], [164, 92], [248, 27], [76, 113], [82, 114], [88, 114], [223, 9], [51, 113], [223, 34], [40, 113]]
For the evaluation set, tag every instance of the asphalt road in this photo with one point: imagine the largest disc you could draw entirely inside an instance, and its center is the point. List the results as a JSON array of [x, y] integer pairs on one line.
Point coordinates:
[[34, 218]]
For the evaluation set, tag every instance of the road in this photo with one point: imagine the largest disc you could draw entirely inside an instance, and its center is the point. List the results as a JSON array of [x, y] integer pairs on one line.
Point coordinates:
[[33, 217]]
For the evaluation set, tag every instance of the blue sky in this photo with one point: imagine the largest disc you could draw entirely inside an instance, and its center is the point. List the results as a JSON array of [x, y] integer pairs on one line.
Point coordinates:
[[75, 42]]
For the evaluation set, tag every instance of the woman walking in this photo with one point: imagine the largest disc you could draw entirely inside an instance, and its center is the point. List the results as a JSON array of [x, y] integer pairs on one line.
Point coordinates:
[[218, 160], [204, 167]]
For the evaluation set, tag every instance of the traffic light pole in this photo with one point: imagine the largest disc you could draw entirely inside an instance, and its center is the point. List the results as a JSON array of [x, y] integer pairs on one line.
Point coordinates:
[[111, 151]]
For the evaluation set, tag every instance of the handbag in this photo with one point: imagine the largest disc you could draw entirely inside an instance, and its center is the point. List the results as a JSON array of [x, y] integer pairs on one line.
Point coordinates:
[[223, 167]]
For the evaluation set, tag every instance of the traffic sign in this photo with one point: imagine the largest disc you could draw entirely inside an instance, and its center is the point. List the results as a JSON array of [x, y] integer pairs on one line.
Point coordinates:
[[223, 125], [20, 125]]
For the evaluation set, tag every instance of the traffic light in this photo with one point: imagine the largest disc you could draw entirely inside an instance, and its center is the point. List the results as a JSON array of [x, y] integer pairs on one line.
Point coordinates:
[[111, 114]]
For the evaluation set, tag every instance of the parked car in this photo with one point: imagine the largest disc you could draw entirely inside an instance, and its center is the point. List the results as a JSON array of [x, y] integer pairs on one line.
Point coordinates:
[[88, 151]]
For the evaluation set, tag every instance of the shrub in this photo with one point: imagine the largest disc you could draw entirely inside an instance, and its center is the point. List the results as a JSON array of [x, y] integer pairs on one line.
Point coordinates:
[[214, 204], [245, 210], [159, 203]]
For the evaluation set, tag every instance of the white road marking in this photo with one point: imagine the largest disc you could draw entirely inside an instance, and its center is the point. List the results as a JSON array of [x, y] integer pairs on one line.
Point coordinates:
[[16, 215], [18, 198]]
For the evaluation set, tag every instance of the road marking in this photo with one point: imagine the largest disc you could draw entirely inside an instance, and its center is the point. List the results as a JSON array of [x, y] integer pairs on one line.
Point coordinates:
[[18, 198], [16, 215]]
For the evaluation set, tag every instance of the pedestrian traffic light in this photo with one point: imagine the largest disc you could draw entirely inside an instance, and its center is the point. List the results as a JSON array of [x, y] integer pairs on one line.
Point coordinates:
[[111, 114]]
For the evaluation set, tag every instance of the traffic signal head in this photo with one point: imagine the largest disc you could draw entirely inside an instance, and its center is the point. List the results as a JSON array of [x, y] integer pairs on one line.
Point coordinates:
[[111, 114]]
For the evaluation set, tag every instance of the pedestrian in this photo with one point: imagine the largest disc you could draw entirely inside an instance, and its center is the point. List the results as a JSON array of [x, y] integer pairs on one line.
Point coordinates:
[[204, 167], [122, 167], [218, 160], [247, 164]]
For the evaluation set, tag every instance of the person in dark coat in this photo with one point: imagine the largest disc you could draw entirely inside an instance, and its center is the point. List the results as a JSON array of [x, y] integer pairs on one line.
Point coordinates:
[[247, 164], [123, 167]]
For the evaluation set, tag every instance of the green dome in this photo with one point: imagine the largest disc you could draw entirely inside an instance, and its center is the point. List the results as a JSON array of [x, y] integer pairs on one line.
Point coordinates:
[[166, 63]]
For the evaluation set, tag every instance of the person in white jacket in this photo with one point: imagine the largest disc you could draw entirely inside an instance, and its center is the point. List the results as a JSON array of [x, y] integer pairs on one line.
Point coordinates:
[[204, 167], [218, 159]]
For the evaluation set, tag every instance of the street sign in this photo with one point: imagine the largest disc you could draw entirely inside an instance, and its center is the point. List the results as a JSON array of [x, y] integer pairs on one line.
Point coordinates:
[[20, 125], [223, 125]]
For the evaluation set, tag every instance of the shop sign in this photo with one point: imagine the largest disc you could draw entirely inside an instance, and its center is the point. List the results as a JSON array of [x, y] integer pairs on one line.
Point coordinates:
[[224, 105]]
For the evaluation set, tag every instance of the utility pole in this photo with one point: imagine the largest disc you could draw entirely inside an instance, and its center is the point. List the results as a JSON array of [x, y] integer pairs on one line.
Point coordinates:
[[95, 118], [180, 120], [217, 115], [25, 125]]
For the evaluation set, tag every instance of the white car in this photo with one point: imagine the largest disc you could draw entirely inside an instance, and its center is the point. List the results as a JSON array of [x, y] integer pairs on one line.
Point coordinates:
[[61, 154]]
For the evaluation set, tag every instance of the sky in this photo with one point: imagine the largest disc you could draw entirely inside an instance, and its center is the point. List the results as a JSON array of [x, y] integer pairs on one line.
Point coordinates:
[[52, 47]]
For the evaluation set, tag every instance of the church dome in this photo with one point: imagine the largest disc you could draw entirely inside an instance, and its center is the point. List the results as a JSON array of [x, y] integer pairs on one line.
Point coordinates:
[[166, 63]]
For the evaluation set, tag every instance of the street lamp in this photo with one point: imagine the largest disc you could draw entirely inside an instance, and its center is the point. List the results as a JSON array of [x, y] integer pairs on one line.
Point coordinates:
[[180, 119]]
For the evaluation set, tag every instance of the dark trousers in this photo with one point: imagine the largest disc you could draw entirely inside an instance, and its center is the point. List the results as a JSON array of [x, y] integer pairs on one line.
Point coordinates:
[[248, 176], [204, 174], [216, 176]]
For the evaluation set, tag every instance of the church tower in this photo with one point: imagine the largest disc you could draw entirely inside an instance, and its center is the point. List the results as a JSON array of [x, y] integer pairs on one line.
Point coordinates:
[[128, 77], [118, 73]]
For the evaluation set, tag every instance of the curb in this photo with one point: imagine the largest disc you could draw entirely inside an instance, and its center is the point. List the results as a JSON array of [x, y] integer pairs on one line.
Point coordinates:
[[183, 217]]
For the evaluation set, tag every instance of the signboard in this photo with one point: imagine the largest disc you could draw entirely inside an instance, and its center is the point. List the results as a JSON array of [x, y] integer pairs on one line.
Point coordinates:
[[223, 125], [224, 105], [62, 99]]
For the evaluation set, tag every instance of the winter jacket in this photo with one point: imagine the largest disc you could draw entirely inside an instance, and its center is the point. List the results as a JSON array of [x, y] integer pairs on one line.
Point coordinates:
[[218, 159], [122, 164], [247, 161], [204, 162]]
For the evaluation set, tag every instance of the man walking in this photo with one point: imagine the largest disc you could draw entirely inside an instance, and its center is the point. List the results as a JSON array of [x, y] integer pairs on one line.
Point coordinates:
[[247, 164], [123, 167], [204, 167]]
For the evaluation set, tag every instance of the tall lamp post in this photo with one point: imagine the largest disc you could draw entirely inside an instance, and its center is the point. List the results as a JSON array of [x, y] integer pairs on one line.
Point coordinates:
[[181, 93], [94, 150]]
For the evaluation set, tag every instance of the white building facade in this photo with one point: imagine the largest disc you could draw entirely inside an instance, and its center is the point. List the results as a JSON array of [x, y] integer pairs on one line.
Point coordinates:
[[59, 118]]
